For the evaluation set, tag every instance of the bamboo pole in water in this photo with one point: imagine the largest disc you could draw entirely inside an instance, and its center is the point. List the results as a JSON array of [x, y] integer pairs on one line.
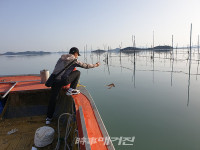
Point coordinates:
[[91, 55], [153, 66], [172, 57], [189, 65], [198, 44], [120, 59], [197, 69], [132, 41], [153, 45], [172, 46], [190, 41], [153, 56], [153, 39], [134, 65], [134, 45], [172, 71], [107, 55], [107, 61], [86, 52]]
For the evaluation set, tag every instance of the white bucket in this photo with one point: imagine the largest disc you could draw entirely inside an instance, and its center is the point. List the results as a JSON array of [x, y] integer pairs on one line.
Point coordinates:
[[44, 74]]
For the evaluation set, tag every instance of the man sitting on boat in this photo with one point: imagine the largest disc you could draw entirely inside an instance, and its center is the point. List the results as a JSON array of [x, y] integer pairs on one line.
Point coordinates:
[[69, 76]]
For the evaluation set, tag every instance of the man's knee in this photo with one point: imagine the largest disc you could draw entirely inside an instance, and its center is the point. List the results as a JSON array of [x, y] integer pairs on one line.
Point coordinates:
[[78, 72]]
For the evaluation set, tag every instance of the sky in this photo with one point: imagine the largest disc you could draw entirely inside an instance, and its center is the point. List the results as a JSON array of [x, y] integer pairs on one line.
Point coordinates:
[[58, 25]]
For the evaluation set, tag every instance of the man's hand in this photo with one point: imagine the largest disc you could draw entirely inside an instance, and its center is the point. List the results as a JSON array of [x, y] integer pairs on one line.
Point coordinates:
[[97, 64]]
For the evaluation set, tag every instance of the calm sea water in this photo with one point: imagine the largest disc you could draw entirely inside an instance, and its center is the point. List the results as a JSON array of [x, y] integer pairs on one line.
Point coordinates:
[[155, 100]]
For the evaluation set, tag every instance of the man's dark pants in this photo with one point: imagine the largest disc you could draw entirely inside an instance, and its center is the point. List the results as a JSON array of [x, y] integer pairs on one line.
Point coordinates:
[[72, 79]]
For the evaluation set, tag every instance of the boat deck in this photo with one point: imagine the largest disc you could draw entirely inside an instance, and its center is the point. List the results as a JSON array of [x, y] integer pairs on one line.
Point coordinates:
[[89, 121], [24, 83], [24, 136]]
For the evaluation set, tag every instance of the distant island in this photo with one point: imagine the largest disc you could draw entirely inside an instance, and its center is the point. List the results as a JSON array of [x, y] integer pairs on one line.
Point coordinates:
[[117, 50], [27, 53], [165, 47], [156, 48], [133, 49], [98, 51]]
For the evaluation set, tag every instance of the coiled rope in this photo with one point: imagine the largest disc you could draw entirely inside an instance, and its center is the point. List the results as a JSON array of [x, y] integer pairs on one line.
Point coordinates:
[[68, 130], [66, 133]]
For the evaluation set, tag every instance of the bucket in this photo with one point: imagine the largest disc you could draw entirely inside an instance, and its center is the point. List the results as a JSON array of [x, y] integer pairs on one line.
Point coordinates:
[[44, 74]]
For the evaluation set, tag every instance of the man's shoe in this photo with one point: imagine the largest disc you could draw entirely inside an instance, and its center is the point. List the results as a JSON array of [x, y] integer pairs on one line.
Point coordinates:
[[73, 92], [48, 121]]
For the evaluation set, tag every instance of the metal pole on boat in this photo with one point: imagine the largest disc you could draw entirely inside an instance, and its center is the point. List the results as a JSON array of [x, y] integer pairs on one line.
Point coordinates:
[[19, 81], [2, 97], [14, 83]]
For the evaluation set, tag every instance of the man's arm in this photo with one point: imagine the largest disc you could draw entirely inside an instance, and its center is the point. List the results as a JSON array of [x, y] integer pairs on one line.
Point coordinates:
[[86, 66]]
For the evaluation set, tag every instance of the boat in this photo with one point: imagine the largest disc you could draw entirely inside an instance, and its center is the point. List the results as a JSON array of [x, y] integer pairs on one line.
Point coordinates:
[[77, 122]]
